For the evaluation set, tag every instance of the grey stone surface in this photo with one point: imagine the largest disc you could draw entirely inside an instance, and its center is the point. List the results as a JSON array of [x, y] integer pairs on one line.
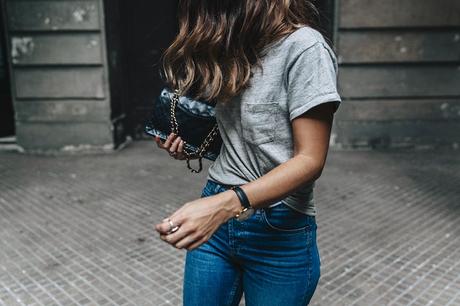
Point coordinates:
[[78, 230]]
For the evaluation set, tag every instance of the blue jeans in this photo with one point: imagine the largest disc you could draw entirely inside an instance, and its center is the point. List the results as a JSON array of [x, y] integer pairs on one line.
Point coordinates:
[[272, 257]]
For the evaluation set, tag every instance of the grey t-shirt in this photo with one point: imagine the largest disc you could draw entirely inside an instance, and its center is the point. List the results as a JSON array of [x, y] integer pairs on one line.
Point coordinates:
[[299, 72]]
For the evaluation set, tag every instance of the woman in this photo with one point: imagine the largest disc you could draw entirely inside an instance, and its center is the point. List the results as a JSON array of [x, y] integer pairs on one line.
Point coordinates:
[[274, 77]]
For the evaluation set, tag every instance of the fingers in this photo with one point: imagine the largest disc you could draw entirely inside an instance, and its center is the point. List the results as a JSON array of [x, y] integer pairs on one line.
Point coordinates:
[[174, 144], [157, 140], [160, 142], [180, 148], [168, 141], [164, 226], [188, 241], [184, 239], [173, 238], [176, 219]]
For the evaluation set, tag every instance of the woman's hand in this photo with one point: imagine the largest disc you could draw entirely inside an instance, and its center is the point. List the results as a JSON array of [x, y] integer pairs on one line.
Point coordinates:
[[199, 219], [173, 144]]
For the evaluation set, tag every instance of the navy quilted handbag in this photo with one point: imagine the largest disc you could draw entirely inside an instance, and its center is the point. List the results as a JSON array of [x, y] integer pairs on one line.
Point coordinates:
[[194, 121]]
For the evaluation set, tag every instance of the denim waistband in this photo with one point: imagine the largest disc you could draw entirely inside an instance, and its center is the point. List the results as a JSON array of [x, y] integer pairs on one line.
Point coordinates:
[[216, 187]]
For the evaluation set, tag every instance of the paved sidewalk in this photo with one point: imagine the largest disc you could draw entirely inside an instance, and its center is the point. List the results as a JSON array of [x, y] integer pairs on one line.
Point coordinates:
[[77, 230]]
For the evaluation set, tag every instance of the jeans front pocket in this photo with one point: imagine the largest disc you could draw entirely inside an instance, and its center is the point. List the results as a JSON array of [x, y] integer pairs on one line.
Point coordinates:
[[283, 218], [259, 122], [208, 189]]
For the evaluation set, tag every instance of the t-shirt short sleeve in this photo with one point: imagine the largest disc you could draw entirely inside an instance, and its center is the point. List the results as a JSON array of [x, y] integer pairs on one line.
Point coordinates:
[[312, 80]]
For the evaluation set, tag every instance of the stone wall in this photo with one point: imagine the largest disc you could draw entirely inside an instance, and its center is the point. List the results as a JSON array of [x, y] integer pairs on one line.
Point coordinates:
[[59, 76], [399, 73]]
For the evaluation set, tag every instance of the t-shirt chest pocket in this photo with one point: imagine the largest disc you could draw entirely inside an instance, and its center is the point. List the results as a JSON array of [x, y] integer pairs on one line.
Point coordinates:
[[258, 122]]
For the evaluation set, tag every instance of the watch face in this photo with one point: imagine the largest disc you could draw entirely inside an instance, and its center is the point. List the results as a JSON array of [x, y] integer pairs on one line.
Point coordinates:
[[245, 214]]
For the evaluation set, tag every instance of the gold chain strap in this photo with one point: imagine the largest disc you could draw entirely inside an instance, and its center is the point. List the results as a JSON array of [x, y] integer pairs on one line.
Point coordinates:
[[203, 146]]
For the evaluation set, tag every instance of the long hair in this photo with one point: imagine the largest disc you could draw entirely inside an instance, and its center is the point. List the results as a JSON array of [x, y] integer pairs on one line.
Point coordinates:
[[220, 41]]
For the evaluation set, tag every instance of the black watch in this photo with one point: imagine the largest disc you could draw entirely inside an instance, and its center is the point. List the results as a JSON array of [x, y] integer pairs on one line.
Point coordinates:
[[247, 210]]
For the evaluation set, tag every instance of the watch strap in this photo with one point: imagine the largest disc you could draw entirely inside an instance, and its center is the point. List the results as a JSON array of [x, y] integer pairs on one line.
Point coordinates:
[[242, 196]]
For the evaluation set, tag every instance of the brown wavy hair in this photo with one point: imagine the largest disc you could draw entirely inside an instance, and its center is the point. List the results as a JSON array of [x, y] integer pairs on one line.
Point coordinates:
[[220, 41]]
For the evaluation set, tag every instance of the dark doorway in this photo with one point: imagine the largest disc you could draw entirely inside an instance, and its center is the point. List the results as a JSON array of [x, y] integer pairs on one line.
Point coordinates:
[[6, 103], [147, 28], [326, 9]]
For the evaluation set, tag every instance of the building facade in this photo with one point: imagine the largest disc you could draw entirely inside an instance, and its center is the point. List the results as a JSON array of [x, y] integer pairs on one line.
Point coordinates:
[[84, 74], [399, 73]]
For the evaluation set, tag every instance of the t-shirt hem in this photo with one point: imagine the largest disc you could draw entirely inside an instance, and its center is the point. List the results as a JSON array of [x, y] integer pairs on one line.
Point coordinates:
[[211, 178], [308, 211], [331, 97]]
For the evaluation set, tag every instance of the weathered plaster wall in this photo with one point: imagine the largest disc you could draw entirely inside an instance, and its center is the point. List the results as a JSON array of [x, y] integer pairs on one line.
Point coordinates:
[[59, 74], [399, 73]]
